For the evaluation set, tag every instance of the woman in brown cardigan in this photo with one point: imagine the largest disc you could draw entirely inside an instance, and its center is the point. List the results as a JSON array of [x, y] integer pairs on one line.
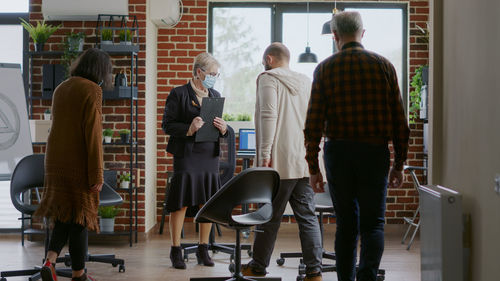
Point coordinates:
[[74, 162]]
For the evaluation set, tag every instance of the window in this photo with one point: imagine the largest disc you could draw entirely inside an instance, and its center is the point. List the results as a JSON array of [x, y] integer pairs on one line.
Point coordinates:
[[239, 33], [12, 50]]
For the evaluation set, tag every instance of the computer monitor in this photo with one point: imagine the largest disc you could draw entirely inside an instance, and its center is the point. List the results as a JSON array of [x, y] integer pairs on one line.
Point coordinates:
[[247, 140]]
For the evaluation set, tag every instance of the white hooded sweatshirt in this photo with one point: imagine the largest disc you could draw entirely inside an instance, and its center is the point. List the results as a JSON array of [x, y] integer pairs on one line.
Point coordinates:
[[280, 113]]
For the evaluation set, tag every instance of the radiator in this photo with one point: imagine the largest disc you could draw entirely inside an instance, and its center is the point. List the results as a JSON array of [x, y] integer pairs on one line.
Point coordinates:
[[441, 231]]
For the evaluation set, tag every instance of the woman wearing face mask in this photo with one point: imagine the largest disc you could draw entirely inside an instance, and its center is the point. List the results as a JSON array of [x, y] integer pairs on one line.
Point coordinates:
[[196, 164]]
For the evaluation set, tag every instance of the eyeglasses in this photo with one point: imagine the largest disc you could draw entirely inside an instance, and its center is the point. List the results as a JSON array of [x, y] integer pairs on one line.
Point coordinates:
[[216, 74]]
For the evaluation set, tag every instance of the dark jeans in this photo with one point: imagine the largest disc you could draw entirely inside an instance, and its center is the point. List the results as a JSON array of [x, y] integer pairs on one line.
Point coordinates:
[[77, 235], [357, 176]]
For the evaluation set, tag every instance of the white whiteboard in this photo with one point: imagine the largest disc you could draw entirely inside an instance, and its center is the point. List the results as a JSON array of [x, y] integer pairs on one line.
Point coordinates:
[[15, 137]]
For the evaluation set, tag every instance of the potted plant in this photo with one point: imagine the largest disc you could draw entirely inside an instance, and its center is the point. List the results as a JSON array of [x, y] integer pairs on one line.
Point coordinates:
[[107, 36], [108, 134], [75, 41], [46, 114], [240, 121], [39, 33], [125, 135], [125, 37], [107, 216], [417, 82], [125, 180]]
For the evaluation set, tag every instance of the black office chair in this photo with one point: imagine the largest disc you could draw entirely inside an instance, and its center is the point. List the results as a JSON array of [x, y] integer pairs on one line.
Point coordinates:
[[107, 197], [254, 185], [28, 177], [227, 165]]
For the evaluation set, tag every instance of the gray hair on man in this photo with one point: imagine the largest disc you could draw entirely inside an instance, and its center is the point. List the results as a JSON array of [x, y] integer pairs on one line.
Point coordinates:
[[204, 61], [347, 23]]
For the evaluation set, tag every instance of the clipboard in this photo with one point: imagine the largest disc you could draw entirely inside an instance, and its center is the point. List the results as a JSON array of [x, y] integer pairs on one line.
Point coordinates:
[[211, 108]]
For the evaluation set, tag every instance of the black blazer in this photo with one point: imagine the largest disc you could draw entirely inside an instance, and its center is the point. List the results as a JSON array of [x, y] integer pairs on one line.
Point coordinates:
[[181, 108]]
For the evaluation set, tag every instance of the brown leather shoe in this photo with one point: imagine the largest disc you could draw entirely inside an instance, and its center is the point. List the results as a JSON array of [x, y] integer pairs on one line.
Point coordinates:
[[316, 276], [247, 270]]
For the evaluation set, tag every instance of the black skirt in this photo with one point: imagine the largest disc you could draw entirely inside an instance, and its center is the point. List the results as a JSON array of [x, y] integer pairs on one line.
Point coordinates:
[[196, 177]]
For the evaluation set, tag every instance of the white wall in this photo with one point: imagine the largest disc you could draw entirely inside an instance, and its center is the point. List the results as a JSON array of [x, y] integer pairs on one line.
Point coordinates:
[[151, 86], [466, 118]]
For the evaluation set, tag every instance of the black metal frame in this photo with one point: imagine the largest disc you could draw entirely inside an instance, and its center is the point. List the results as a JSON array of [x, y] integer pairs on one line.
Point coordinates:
[[278, 9]]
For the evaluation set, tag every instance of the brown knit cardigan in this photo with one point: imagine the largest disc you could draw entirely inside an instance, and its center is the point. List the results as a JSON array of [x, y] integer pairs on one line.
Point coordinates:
[[73, 160]]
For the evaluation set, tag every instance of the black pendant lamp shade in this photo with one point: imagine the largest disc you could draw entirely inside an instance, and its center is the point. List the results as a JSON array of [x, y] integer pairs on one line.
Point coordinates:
[[327, 29], [308, 57]]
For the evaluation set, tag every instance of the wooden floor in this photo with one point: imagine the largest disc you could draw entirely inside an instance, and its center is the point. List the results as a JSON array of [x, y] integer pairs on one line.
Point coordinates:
[[148, 260]]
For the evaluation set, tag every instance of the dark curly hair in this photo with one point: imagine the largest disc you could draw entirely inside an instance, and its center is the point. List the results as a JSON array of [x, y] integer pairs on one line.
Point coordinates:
[[94, 65]]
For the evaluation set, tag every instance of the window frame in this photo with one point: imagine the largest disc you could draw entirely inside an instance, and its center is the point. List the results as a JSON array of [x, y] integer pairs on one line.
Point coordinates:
[[278, 9]]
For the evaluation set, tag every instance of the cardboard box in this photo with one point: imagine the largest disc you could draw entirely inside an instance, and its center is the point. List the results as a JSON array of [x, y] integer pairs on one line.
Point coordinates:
[[40, 130]]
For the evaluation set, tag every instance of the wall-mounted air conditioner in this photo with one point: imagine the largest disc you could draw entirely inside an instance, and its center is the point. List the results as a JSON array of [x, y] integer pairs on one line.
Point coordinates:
[[76, 10], [165, 13]]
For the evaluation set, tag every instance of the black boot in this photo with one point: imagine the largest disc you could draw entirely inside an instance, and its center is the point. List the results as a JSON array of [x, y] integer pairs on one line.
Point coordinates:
[[176, 257], [202, 255]]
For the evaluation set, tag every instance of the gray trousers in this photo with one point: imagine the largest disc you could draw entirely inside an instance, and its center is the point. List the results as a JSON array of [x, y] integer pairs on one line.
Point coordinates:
[[300, 195]]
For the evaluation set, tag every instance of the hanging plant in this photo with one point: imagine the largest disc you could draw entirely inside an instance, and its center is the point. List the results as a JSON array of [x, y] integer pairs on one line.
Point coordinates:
[[415, 95]]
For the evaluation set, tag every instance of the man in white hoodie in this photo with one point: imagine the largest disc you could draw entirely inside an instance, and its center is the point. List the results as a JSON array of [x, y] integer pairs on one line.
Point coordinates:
[[280, 112]]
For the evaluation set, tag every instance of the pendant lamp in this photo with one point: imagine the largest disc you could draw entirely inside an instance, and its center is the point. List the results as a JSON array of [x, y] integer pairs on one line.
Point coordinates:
[[308, 57], [327, 28]]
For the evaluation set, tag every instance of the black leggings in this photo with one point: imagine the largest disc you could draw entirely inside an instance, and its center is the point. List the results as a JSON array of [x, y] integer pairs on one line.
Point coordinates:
[[77, 235]]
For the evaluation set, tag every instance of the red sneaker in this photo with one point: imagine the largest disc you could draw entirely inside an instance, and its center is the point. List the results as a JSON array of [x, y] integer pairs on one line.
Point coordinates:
[[48, 272]]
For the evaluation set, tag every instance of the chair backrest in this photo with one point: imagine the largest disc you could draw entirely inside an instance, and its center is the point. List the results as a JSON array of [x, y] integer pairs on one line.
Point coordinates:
[[253, 185], [28, 174], [108, 196], [227, 159]]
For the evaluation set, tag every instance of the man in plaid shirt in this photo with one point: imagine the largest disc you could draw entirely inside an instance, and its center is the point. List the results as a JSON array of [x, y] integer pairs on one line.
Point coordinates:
[[356, 104]]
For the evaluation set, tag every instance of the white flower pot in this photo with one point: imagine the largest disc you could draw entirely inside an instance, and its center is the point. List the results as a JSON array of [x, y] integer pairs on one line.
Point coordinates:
[[107, 225], [237, 125], [125, 42], [124, 184], [107, 139], [107, 42], [46, 116]]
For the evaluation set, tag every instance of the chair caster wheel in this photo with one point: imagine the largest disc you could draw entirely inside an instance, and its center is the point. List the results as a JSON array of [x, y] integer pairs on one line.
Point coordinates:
[[67, 263], [121, 268], [231, 267], [114, 264], [300, 278], [250, 253], [280, 261]]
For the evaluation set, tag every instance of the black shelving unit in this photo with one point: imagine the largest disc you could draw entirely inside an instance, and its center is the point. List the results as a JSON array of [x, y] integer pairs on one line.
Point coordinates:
[[133, 145]]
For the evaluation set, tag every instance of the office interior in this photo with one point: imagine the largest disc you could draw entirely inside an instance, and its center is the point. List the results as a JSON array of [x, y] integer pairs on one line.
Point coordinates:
[[454, 132]]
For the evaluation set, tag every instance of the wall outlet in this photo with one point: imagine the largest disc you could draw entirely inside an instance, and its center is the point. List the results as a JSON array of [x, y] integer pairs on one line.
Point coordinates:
[[497, 184]]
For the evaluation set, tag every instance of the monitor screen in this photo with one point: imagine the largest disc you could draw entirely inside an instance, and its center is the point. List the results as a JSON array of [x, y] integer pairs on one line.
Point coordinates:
[[247, 139]]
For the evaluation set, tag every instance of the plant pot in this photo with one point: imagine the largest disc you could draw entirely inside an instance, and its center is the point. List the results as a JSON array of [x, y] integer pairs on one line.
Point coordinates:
[[39, 46], [107, 225], [106, 42], [107, 139], [125, 184], [125, 138], [46, 116], [125, 42], [75, 45]]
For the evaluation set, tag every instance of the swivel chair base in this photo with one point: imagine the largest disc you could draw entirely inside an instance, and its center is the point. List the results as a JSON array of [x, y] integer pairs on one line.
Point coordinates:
[[105, 258], [34, 274]]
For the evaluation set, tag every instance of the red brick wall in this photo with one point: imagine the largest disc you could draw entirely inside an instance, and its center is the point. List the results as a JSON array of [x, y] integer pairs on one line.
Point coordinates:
[[178, 46], [116, 113]]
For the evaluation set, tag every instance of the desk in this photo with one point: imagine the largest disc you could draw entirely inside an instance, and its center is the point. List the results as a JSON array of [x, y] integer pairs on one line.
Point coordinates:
[[246, 156]]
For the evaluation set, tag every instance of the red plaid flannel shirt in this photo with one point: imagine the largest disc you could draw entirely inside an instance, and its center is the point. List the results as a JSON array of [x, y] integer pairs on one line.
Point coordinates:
[[355, 94]]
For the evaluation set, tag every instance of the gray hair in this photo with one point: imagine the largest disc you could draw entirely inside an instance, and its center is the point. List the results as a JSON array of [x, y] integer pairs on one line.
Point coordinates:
[[204, 61], [347, 23]]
